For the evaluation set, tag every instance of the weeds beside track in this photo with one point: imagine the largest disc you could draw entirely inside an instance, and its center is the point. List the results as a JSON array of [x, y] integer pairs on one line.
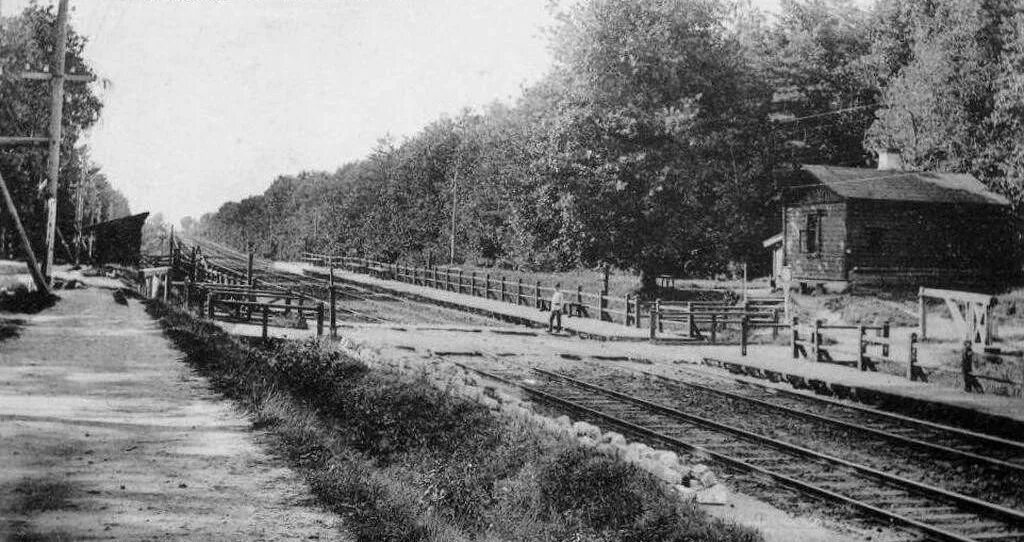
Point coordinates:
[[402, 460]]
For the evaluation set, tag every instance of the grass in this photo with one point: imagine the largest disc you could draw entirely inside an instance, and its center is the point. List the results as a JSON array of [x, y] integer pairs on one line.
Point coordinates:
[[21, 299], [403, 460]]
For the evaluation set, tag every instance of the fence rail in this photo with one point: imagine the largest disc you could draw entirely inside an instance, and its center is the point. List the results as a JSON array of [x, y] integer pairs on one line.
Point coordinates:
[[628, 310]]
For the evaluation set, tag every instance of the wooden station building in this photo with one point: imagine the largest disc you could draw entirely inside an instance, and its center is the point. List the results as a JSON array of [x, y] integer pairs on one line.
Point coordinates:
[[856, 226]]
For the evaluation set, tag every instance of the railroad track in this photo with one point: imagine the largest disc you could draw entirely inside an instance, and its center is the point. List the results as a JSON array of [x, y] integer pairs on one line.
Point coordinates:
[[235, 263], [936, 513], [987, 450]]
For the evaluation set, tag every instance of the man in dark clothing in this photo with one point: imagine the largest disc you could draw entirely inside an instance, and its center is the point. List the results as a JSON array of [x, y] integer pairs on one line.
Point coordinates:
[[971, 383]]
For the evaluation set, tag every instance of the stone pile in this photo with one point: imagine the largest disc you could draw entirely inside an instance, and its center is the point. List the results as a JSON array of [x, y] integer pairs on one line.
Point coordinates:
[[691, 482]]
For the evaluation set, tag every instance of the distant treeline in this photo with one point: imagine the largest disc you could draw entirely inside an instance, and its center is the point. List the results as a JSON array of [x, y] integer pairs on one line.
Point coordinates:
[[661, 138], [25, 43]]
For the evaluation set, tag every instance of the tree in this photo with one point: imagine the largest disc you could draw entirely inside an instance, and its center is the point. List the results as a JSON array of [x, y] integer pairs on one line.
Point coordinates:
[[937, 102], [24, 107], [651, 155], [817, 59]]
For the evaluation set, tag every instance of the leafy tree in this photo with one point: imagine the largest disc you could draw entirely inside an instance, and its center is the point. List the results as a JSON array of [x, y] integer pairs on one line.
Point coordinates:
[[24, 110], [651, 155]]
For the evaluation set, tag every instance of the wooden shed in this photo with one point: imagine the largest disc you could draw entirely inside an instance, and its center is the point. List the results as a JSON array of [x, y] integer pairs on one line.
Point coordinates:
[[117, 241], [855, 226]]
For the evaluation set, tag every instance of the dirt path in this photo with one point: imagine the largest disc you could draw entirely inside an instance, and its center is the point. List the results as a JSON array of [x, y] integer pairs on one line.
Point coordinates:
[[105, 435]]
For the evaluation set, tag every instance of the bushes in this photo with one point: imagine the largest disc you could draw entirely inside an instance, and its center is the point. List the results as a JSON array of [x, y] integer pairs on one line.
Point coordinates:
[[403, 460]]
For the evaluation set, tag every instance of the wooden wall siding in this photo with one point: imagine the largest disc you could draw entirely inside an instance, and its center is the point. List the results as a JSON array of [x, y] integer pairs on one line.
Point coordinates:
[[829, 262], [914, 235]]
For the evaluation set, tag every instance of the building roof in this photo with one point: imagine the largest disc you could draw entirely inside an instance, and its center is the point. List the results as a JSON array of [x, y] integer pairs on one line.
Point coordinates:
[[133, 221], [891, 185]]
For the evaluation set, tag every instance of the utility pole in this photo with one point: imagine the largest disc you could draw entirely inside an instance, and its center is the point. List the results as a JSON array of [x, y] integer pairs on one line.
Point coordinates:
[[455, 184], [56, 120], [80, 212], [57, 78]]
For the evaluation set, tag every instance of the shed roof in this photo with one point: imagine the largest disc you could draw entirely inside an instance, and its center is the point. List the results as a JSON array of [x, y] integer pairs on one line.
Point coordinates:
[[874, 184]]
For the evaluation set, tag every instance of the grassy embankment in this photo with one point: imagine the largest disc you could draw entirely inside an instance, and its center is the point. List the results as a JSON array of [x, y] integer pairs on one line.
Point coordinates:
[[403, 460]]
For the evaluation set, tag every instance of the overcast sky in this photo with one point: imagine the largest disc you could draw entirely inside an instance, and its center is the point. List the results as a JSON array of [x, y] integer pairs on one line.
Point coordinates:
[[212, 99]]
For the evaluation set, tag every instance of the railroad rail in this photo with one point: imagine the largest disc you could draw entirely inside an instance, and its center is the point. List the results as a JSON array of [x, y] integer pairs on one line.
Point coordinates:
[[988, 450], [235, 264], [932, 511]]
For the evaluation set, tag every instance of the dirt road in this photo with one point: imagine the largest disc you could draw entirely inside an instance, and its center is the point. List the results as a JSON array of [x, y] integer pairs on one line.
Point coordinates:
[[105, 435]]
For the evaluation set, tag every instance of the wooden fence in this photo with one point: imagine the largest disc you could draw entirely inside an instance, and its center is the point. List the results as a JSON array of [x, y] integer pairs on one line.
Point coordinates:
[[220, 293], [628, 310], [813, 342], [704, 320]]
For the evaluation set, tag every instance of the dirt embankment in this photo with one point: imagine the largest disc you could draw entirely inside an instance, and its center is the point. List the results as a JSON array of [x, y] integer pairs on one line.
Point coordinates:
[[104, 434]]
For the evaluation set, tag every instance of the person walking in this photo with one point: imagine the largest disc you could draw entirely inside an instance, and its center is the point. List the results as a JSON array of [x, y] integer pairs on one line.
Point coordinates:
[[971, 383], [557, 301]]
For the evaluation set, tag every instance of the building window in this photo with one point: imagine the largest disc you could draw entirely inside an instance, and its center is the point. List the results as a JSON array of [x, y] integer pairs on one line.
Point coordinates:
[[810, 237]]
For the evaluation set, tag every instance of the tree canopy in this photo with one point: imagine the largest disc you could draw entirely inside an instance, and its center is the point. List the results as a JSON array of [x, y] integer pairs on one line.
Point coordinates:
[[25, 40], [662, 135]]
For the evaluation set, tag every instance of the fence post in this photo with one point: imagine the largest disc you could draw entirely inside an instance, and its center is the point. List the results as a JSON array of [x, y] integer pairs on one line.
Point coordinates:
[[334, 313], [503, 298], [487, 286], [885, 335], [210, 298], [912, 358], [775, 324], [636, 310], [714, 327], [519, 291], [921, 314], [657, 305], [602, 302], [654, 323], [689, 320], [628, 307], [264, 321], [816, 340], [320, 319], [862, 348], [460, 281], [472, 283], [536, 296], [795, 340], [744, 327], [579, 300]]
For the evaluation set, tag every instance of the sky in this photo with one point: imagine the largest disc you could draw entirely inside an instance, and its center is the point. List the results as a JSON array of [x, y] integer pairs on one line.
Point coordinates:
[[209, 101]]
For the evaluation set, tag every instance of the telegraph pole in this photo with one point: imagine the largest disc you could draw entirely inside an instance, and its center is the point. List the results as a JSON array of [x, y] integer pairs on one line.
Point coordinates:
[[80, 211], [56, 119]]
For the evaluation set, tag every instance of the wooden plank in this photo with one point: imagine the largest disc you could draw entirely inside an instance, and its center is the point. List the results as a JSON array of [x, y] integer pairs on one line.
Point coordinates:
[[26, 140], [33, 266], [151, 271], [959, 295]]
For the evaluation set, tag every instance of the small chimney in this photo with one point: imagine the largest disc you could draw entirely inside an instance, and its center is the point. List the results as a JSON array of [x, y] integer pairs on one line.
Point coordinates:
[[890, 159]]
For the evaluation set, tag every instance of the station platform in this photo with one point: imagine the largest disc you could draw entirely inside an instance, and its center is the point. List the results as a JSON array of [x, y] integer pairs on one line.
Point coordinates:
[[769, 362]]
